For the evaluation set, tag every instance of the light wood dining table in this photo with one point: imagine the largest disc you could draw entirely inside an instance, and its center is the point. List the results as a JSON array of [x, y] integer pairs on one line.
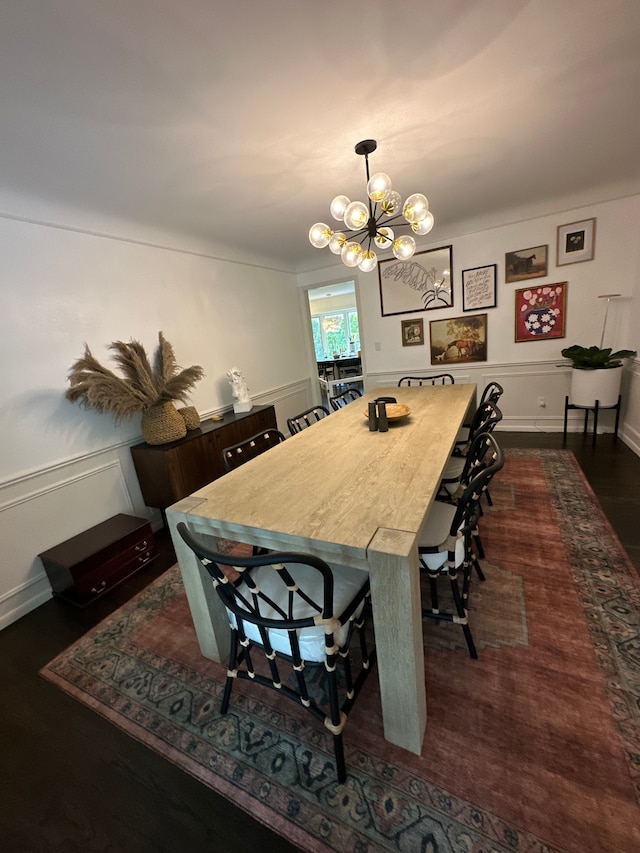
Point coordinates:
[[350, 496]]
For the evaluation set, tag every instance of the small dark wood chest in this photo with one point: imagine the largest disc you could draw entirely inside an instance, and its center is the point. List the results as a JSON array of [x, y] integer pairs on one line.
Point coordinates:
[[99, 559]]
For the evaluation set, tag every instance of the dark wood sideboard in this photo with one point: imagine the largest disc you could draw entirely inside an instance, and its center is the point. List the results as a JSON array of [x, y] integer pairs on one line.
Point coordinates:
[[169, 472]]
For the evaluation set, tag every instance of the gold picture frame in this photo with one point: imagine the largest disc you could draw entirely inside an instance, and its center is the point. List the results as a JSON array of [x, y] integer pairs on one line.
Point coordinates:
[[523, 264]]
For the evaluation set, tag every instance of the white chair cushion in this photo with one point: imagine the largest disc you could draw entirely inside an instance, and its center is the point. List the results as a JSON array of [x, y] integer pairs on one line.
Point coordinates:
[[452, 473], [434, 533], [347, 582], [463, 435]]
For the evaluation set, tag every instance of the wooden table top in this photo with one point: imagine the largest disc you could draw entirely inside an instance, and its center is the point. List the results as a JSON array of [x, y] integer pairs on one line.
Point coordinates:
[[328, 489]]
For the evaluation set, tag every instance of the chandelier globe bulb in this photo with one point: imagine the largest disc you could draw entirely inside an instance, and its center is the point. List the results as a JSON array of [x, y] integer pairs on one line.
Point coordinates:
[[384, 237], [369, 261], [337, 242], [404, 247], [338, 206], [356, 215], [425, 225], [351, 254], [378, 186], [391, 203], [319, 235], [415, 208]]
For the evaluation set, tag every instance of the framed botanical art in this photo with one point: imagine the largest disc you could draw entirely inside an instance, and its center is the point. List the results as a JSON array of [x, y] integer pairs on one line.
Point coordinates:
[[422, 283], [576, 242], [541, 312], [412, 332], [458, 339], [479, 288], [525, 263]]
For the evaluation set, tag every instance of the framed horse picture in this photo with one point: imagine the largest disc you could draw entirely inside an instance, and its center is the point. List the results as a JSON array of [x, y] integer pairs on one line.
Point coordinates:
[[458, 340], [525, 263]]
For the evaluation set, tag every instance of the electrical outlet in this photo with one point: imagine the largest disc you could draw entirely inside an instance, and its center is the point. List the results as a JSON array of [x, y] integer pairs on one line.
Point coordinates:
[[378, 346], [542, 402]]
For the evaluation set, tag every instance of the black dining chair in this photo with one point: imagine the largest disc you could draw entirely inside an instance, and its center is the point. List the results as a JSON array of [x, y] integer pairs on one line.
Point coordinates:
[[437, 379], [458, 474], [303, 614], [237, 454], [445, 545], [306, 419], [491, 394], [485, 419], [341, 400]]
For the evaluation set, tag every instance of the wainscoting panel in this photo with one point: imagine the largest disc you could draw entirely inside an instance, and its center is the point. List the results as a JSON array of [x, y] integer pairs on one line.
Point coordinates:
[[290, 401], [630, 415], [525, 383], [40, 509]]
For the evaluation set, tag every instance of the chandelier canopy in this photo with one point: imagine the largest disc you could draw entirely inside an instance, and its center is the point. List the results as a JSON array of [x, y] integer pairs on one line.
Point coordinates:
[[368, 226]]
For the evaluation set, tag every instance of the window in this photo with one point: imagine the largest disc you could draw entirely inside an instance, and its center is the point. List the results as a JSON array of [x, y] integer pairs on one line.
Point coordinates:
[[335, 332]]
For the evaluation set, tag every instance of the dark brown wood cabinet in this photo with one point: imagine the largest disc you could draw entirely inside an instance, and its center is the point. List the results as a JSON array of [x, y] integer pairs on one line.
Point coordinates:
[[97, 560], [169, 472]]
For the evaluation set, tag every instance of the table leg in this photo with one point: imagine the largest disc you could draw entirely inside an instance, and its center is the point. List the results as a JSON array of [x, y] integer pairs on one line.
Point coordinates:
[[397, 619], [209, 617]]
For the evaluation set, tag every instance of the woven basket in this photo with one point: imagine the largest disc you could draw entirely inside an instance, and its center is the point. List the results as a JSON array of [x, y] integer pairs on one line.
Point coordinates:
[[191, 417], [162, 424]]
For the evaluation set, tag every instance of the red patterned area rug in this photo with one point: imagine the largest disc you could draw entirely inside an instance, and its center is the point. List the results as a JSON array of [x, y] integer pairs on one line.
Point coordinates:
[[534, 747]]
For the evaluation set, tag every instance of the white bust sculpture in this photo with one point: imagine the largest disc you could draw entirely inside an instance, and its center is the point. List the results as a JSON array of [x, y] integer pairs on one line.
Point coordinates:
[[239, 390]]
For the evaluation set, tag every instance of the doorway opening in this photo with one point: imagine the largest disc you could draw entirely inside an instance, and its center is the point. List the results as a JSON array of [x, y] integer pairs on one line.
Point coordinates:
[[335, 326]]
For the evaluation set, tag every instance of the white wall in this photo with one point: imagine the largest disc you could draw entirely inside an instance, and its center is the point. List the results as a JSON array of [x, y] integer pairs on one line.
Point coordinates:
[[527, 370], [64, 468]]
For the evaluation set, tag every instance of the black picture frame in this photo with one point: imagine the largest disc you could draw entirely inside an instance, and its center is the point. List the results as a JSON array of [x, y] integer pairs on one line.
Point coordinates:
[[423, 283], [479, 288]]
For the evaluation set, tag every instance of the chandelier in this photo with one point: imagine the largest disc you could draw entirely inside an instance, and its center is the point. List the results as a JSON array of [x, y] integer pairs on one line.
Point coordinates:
[[368, 226]]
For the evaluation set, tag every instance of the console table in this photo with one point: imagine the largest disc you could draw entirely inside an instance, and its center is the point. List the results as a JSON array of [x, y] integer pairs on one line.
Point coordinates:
[[169, 472]]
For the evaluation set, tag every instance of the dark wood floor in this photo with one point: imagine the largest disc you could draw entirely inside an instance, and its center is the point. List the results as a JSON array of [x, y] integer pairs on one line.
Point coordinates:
[[73, 782]]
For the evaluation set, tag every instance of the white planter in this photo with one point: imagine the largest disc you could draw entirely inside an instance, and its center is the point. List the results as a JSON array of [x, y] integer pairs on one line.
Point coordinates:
[[587, 386]]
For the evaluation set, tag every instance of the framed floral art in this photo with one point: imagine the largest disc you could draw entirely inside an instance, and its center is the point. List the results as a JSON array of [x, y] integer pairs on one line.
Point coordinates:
[[541, 312], [576, 242]]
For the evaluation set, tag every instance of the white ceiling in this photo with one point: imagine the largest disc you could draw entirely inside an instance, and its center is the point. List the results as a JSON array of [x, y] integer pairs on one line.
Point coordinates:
[[234, 123]]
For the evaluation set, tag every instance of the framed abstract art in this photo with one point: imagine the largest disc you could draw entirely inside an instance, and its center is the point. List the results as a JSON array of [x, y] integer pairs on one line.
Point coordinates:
[[422, 283]]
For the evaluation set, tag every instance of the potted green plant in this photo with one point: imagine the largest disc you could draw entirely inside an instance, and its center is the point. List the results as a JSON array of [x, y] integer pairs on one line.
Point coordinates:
[[596, 374], [151, 390]]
